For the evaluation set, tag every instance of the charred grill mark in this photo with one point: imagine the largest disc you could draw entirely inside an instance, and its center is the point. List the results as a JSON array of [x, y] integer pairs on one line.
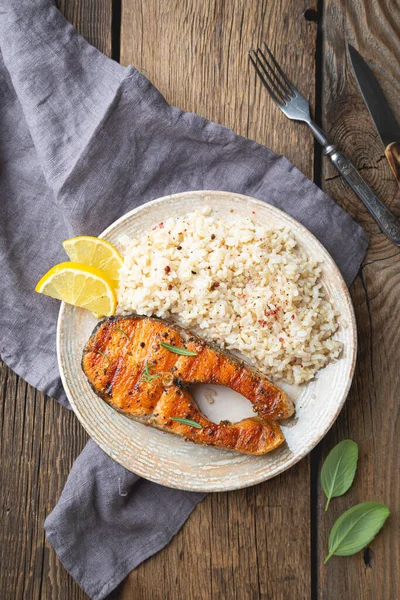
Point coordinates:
[[237, 377], [180, 383]]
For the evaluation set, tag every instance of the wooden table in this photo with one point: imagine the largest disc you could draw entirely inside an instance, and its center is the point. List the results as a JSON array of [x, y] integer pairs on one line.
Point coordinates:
[[269, 541]]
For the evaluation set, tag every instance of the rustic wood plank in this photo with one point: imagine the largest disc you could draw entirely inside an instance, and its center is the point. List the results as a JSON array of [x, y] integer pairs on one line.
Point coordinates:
[[40, 440], [39, 443], [196, 54], [370, 416], [93, 19]]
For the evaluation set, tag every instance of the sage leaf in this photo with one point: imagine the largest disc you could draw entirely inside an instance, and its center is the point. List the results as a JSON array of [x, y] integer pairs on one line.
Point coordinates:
[[339, 469], [356, 528], [178, 350]]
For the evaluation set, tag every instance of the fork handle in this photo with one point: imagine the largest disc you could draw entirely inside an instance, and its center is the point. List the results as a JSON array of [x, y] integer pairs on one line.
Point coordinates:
[[387, 222]]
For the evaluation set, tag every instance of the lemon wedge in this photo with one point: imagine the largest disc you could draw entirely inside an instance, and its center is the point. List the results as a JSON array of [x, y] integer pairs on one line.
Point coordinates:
[[95, 252], [80, 285]]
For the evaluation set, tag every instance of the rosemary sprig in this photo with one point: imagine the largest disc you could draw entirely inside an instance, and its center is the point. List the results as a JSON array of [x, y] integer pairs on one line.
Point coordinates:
[[103, 355], [187, 422], [177, 350], [123, 332], [147, 376]]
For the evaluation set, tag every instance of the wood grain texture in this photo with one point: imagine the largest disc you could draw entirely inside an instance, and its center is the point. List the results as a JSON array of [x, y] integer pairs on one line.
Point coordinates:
[[372, 29], [233, 548], [371, 414], [196, 54], [38, 445], [39, 439], [93, 19]]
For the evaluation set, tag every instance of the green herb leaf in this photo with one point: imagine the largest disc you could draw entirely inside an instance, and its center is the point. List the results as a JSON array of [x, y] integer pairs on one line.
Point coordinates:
[[177, 350], [187, 422], [356, 528], [122, 331], [339, 469], [147, 376], [103, 355]]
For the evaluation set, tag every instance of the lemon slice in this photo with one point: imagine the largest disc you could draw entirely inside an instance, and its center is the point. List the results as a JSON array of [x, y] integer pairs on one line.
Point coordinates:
[[80, 285], [95, 252]]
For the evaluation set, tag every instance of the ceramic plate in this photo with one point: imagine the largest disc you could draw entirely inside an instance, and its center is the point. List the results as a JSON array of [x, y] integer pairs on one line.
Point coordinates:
[[168, 459]]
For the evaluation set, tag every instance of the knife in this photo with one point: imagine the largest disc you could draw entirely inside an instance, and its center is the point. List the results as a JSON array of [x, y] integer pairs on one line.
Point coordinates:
[[382, 116]]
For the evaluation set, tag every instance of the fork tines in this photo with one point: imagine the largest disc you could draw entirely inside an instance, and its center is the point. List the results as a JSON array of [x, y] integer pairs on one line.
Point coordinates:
[[272, 76]]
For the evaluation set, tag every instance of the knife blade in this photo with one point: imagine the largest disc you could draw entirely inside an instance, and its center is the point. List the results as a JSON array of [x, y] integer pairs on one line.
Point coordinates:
[[378, 107]]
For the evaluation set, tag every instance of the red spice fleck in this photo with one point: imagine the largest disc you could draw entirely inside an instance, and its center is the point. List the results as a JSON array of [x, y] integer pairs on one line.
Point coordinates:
[[272, 311], [253, 212], [160, 225], [167, 269], [214, 285], [293, 317], [170, 287], [281, 340], [263, 323]]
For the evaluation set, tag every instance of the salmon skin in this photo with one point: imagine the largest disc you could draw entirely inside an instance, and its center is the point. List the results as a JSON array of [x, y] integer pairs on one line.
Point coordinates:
[[127, 365]]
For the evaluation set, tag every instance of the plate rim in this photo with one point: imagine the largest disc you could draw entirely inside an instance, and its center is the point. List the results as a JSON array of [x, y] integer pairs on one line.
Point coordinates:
[[352, 356]]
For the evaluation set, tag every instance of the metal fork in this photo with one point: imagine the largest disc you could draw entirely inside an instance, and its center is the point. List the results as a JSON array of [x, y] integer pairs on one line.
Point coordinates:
[[293, 104]]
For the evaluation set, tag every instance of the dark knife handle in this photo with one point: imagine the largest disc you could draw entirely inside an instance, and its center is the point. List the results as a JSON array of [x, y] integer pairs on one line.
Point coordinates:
[[387, 222], [393, 155]]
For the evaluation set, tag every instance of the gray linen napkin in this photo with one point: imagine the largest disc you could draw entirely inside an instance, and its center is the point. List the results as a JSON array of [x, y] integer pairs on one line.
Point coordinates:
[[82, 141]]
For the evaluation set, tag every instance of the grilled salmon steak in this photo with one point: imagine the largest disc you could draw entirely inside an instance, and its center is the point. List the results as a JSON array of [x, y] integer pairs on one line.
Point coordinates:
[[129, 362]]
